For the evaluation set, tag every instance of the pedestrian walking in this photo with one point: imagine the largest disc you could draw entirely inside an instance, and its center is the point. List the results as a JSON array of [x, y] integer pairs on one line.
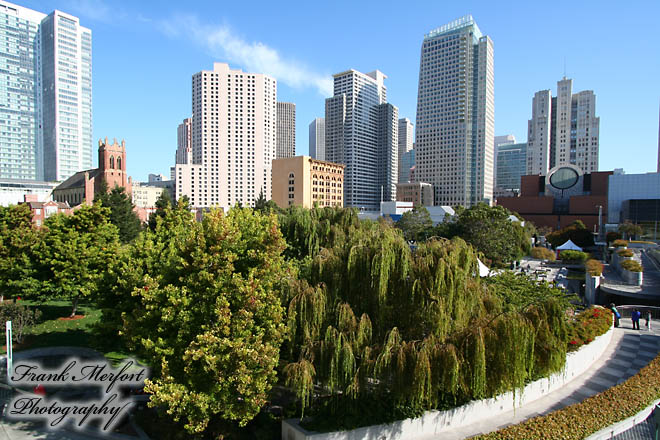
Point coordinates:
[[616, 314], [636, 314], [648, 320]]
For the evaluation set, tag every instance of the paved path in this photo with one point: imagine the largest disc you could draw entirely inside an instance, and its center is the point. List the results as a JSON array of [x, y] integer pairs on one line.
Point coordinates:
[[629, 351], [650, 288]]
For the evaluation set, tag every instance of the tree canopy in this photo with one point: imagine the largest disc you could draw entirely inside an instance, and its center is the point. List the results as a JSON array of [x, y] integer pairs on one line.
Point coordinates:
[[121, 214], [416, 225], [18, 237], [577, 232]]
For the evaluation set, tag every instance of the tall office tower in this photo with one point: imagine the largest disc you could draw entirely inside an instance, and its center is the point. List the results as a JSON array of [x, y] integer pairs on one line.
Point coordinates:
[[563, 130], [317, 139], [511, 164], [233, 138], [361, 132], [455, 114], [286, 130], [184, 142], [46, 114], [405, 145]]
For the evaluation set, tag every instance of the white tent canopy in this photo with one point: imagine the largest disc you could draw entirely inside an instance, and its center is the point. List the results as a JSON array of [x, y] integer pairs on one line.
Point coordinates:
[[569, 246], [483, 269]]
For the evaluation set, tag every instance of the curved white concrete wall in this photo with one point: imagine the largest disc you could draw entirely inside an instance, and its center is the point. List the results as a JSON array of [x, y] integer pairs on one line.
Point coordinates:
[[434, 422]]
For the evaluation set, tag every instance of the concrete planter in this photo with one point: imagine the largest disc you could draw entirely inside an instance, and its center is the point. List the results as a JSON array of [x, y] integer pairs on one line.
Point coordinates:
[[435, 422], [591, 285], [634, 278]]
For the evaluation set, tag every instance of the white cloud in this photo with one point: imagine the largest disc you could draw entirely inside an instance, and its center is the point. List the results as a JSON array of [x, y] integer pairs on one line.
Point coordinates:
[[220, 41]]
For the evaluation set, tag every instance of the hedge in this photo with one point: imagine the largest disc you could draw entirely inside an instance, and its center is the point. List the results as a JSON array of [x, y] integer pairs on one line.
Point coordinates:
[[542, 253], [573, 255], [625, 253], [578, 421], [594, 267], [620, 243], [632, 266], [588, 325]]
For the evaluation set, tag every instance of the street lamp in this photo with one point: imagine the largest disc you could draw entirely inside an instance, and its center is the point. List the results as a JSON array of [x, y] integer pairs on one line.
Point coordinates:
[[600, 222]]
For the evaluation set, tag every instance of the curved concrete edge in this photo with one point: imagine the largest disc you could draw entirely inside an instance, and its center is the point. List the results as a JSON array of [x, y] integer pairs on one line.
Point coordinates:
[[624, 425], [435, 422]]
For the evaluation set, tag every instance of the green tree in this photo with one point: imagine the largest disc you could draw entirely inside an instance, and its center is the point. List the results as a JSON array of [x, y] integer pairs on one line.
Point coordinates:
[[577, 232], [630, 230], [18, 237], [163, 203], [122, 214], [416, 225], [201, 302], [75, 252]]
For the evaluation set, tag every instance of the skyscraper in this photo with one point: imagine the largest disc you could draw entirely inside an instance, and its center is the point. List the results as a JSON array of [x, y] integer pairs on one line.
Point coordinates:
[[361, 132], [317, 139], [233, 138], [184, 142], [405, 145], [455, 114], [286, 130], [46, 114], [563, 130]]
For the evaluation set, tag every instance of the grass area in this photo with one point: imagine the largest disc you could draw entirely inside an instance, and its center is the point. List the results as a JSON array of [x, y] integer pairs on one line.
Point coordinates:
[[574, 274], [51, 331]]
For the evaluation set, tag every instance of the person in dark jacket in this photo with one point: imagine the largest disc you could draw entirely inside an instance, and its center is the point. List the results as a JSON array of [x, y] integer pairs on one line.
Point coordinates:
[[636, 314]]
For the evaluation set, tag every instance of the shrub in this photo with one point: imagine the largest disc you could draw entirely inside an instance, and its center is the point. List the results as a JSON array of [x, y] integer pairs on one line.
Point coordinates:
[[586, 326], [593, 414], [620, 243], [594, 267], [626, 253], [20, 316], [542, 253], [573, 256], [611, 236], [632, 266]]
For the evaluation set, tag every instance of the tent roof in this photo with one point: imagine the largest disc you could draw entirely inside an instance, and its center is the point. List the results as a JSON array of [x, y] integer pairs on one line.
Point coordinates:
[[569, 245], [483, 269]]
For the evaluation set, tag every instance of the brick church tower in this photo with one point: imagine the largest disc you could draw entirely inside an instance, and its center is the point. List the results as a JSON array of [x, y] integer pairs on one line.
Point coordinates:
[[112, 166]]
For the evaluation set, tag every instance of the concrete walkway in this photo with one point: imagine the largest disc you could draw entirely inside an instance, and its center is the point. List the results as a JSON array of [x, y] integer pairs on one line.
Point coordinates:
[[629, 351]]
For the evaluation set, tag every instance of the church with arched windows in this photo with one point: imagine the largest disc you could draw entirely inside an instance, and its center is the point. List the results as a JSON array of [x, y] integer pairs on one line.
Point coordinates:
[[81, 187]]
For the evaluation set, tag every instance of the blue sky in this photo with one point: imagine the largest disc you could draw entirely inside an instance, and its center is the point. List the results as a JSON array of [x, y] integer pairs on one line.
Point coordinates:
[[145, 53]]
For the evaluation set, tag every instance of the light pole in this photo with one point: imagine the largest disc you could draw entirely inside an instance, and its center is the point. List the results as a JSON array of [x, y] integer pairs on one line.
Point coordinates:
[[600, 222]]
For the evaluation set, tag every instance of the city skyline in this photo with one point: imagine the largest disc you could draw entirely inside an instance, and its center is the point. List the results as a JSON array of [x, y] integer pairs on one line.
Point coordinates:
[[129, 37]]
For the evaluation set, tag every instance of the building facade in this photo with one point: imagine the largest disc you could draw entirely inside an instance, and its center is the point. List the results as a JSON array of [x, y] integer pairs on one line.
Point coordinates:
[[361, 132], [286, 129], [305, 181], [455, 114], [407, 162], [405, 145], [564, 130], [317, 139], [510, 164], [419, 193], [234, 119], [15, 191], [626, 187], [184, 142], [46, 114]]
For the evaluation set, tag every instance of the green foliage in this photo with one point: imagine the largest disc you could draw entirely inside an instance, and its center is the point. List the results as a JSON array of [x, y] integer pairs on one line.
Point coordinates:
[[625, 253], [632, 266], [18, 237], [620, 243], [416, 225], [570, 255], [74, 254], [586, 326], [21, 318], [594, 267], [163, 203], [121, 213], [542, 253], [201, 302], [612, 236], [576, 232], [629, 229]]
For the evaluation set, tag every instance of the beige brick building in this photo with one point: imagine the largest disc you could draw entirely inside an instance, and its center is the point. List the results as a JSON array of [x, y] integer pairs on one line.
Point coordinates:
[[419, 193], [304, 181]]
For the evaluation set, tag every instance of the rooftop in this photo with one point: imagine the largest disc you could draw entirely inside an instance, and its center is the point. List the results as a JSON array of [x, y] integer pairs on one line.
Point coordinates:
[[460, 23]]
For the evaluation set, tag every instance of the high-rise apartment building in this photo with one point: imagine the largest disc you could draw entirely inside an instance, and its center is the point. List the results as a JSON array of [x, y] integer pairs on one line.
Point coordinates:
[[286, 129], [361, 132], [46, 112], [455, 114], [317, 139], [563, 130], [405, 145], [233, 138], [184, 142]]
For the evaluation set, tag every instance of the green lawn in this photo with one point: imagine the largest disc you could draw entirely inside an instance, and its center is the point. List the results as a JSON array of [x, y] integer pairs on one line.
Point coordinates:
[[51, 331]]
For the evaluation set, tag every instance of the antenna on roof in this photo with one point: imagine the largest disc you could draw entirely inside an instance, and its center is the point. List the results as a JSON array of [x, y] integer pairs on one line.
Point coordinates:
[[564, 66]]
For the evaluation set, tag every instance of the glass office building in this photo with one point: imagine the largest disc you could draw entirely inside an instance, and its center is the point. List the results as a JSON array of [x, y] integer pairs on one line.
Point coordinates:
[[511, 166], [46, 96]]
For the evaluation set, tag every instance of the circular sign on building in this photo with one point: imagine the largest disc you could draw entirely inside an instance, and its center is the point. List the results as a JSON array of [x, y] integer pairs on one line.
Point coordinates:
[[564, 178]]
